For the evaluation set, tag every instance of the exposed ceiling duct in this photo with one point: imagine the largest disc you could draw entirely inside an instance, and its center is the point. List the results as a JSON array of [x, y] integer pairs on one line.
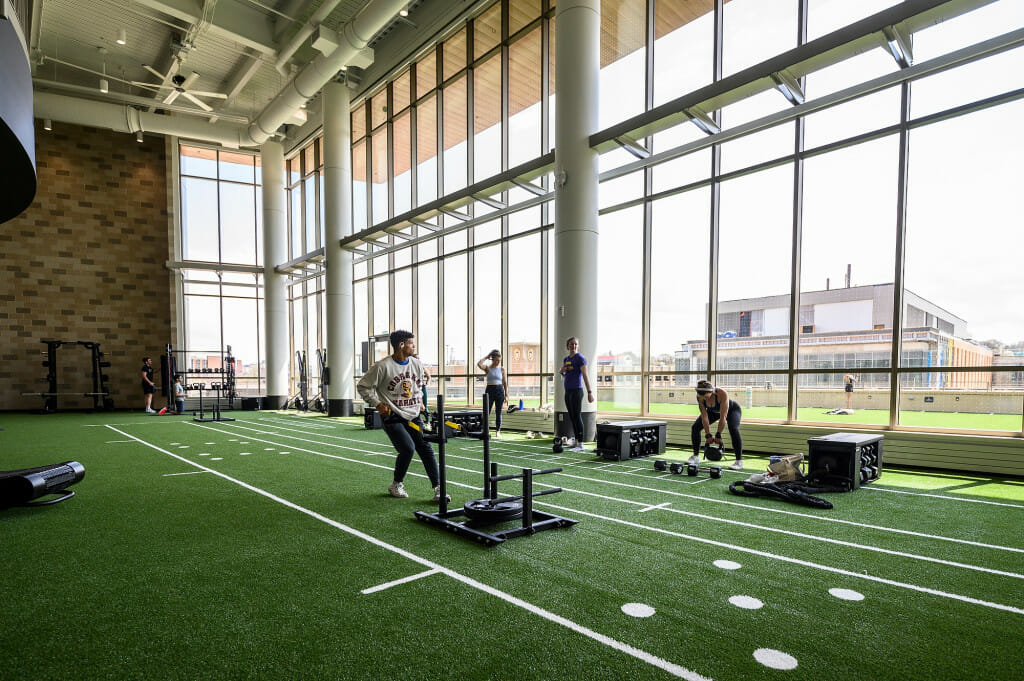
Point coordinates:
[[353, 39], [128, 119]]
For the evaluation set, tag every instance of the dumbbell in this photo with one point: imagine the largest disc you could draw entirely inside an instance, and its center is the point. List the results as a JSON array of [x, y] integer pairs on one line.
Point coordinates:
[[693, 469], [675, 467]]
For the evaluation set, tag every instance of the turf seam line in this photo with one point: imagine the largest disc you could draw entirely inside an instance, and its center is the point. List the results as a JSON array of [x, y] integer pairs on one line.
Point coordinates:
[[686, 496], [796, 561], [615, 644]]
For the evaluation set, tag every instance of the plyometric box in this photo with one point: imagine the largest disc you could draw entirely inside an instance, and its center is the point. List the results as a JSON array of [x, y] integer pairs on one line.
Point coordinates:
[[467, 420], [630, 439], [851, 455]]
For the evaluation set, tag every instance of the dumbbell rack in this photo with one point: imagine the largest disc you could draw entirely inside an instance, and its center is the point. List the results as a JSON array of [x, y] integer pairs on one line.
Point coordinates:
[[630, 439]]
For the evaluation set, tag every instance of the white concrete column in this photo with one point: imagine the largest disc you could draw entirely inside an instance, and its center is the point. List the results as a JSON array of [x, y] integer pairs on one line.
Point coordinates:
[[275, 291], [338, 224], [577, 67]]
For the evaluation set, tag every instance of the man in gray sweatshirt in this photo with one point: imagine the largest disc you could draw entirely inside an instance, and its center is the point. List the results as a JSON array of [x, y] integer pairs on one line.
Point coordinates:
[[394, 387]]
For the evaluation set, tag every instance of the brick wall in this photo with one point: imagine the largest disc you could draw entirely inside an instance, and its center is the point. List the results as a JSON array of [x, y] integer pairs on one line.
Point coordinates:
[[86, 262]]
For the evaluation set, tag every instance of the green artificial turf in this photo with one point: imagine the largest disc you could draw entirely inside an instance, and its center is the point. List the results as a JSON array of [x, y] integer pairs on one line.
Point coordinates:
[[242, 550]]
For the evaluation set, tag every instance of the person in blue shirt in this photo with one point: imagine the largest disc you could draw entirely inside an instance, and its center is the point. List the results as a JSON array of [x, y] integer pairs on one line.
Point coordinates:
[[575, 377]]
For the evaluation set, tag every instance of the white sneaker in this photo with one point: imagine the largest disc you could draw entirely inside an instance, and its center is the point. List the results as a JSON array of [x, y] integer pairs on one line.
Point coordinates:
[[397, 489], [437, 494], [150, 411], [737, 465], [577, 448], [693, 460]]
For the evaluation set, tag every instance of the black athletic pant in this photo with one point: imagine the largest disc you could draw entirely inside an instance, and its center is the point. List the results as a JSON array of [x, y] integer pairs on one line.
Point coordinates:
[[408, 441], [732, 421], [495, 396], [574, 407]]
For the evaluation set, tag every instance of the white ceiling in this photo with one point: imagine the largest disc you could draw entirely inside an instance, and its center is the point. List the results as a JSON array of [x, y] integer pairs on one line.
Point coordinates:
[[233, 48]]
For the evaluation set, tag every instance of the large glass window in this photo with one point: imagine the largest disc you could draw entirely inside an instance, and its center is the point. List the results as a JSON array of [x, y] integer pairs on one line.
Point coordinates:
[[619, 320], [524, 98], [220, 209], [623, 59], [713, 230]]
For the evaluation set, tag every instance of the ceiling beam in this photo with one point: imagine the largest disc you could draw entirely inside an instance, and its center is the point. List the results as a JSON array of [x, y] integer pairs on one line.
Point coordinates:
[[233, 20]]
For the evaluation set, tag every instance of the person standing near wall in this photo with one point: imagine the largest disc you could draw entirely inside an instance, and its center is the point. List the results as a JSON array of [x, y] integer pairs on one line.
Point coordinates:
[[574, 374], [496, 392], [148, 386]]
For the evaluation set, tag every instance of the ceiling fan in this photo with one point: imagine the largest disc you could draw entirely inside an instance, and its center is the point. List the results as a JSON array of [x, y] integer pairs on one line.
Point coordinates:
[[180, 86]]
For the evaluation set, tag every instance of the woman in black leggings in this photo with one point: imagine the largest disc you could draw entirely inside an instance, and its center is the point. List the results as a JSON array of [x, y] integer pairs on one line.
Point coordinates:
[[715, 406]]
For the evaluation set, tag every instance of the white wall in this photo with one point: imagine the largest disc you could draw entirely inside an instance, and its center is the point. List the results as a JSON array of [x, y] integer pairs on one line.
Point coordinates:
[[776, 321], [853, 315]]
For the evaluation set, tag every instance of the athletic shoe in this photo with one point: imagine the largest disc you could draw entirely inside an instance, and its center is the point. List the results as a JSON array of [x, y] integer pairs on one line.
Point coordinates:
[[150, 411], [162, 411], [737, 465], [437, 494], [497, 435], [693, 460], [577, 448], [397, 490]]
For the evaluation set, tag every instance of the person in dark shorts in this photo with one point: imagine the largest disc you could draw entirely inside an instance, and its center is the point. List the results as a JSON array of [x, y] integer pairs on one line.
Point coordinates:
[[848, 381], [148, 386]]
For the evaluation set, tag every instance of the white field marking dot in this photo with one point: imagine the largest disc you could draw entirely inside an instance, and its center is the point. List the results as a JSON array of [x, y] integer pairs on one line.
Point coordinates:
[[727, 565], [243, 443], [776, 659], [204, 454], [234, 439], [217, 458], [638, 610], [268, 449], [175, 443], [183, 447], [286, 452], [746, 602], [847, 594], [244, 453], [211, 443]]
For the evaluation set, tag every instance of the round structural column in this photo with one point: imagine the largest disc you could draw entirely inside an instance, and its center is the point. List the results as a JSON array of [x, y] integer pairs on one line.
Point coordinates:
[[275, 285], [337, 225], [577, 69]]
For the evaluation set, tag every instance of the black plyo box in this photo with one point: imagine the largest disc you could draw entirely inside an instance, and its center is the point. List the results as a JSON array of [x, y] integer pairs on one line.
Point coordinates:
[[845, 454], [630, 439], [467, 420]]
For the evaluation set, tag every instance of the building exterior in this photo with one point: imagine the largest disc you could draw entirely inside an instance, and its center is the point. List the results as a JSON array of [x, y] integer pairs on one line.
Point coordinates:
[[841, 328]]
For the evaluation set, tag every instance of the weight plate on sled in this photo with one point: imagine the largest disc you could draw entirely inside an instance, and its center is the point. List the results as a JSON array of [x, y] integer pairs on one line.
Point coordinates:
[[493, 511]]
